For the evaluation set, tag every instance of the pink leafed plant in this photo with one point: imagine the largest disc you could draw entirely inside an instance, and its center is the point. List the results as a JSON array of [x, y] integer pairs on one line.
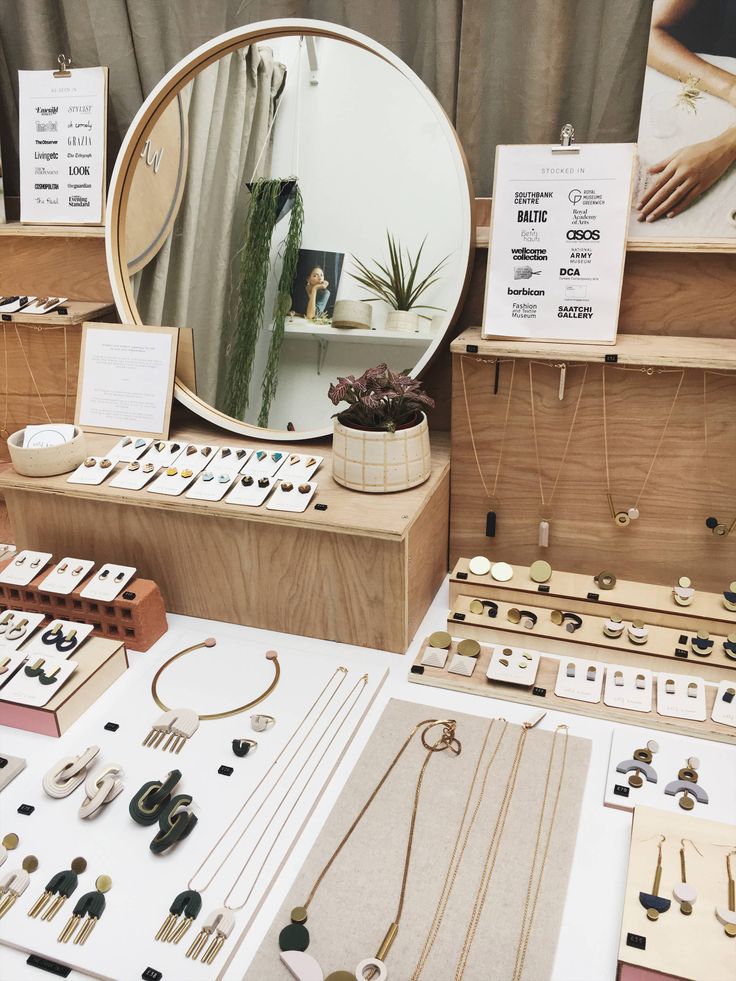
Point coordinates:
[[380, 399]]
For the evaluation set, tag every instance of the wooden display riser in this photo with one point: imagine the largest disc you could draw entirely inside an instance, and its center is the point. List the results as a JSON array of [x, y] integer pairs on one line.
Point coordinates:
[[570, 591], [542, 694], [362, 572]]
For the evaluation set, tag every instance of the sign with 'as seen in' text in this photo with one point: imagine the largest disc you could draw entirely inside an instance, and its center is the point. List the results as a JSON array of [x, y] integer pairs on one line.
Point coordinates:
[[558, 242]]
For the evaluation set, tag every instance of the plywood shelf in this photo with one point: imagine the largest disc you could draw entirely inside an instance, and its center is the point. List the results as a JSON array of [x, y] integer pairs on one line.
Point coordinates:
[[77, 313], [51, 231], [645, 350]]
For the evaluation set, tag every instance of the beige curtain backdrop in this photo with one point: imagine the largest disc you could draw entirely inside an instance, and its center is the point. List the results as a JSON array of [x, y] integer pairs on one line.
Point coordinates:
[[229, 109], [506, 71]]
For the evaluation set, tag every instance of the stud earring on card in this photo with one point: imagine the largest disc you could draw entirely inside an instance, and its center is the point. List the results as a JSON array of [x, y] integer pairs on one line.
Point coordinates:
[[641, 763], [104, 574], [652, 902], [701, 644], [683, 592], [684, 893], [687, 785]]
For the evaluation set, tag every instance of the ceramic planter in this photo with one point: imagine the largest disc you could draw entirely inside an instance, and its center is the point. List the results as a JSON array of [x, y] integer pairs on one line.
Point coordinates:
[[351, 314], [403, 321], [381, 462]]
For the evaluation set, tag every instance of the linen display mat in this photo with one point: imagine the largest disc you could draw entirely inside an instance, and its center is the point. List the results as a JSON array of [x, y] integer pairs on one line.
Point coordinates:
[[357, 899]]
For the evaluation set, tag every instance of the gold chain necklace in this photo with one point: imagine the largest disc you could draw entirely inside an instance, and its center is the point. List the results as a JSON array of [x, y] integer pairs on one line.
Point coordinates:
[[490, 495], [544, 524], [458, 852], [624, 518], [178, 725], [718, 528], [294, 938]]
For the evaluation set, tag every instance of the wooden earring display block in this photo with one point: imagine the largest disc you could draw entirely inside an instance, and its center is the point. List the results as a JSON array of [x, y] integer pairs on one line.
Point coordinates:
[[138, 622], [100, 662], [542, 693]]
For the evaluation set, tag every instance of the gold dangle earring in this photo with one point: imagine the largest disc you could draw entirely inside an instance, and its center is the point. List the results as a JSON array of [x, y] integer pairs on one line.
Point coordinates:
[[652, 902]]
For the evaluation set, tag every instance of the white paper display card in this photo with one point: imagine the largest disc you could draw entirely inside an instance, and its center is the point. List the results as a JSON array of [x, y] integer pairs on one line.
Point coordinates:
[[60, 639], [66, 576], [164, 452], [106, 584], [10, 661], [291, 500], [15, 304], [724, 707], [16, 627], [253, 492], [24, 567], [129, 448], [173, 481], [62, 137], [579, 680], [47, 435], [211, 485], [135, 476], [42, 305], [681, 696], [300, 466], [628, 688], [267, 462], [47, 677], [93, 470], [558, 242], [196, 457], [513, 666], [230, 459]]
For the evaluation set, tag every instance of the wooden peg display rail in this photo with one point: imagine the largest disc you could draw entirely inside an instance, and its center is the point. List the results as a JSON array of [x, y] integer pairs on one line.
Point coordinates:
[[137, 622], [542, 695], [581, 594]]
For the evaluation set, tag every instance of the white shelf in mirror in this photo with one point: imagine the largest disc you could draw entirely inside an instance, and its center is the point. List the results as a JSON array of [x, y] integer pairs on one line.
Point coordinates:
[[355, 335]]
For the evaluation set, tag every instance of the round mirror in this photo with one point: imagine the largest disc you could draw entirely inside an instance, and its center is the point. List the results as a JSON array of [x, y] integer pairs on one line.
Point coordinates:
[[294, 196]]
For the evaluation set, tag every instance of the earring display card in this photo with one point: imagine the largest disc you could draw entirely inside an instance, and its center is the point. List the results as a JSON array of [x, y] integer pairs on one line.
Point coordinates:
[[716, 772], [724, 707], [251, 495], [10, 661], [629, 688], [172, 481], [94, 470], [55, 640], [108, 582], [513, 665], [16, 627], [301, 466], [44, 304], [196, 457], [266, 462], [136, 475], [291, 500], [581, 680], [129, 448], [229, 459], [162, 453], [47, 678], [24, 567], [681, 696], [211, 485], [19, 303], [66, 576]]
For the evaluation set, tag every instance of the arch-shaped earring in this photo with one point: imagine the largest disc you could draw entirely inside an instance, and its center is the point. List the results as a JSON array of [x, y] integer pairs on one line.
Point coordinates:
[[591, 673], [669, 686], [67, 643], [692, 690], [653, 903], [35, 669], [641, 682], [618, 679], [50, 678], [570, 670]]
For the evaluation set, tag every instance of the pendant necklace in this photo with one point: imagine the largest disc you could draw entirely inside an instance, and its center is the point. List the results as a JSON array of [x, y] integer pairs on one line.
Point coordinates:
[[294, 938], [717, 527], [176, 726], [544, 524], [490, 494], [625, 517]]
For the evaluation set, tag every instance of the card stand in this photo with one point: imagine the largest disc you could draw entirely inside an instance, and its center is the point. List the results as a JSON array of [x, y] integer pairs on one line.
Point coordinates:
[[658, 654], [581, 594], [100, 662], [542, 694], [138, 623]]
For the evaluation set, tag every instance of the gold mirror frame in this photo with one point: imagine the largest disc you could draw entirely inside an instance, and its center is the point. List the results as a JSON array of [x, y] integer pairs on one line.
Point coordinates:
[[141, 128]]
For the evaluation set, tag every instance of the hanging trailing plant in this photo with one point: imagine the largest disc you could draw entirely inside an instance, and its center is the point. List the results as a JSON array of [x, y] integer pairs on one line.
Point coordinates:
[[282, 305], [266, 205]]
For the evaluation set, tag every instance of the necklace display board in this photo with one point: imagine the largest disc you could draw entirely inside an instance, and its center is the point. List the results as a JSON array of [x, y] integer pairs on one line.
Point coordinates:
[[351, 910], [646, 458]]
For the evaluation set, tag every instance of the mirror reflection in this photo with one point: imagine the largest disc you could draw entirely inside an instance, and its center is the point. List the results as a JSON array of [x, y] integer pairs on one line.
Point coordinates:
[[298, 205]]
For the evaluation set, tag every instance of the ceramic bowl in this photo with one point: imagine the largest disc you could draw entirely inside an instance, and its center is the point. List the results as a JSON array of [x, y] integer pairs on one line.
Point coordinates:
[[46, 461]]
